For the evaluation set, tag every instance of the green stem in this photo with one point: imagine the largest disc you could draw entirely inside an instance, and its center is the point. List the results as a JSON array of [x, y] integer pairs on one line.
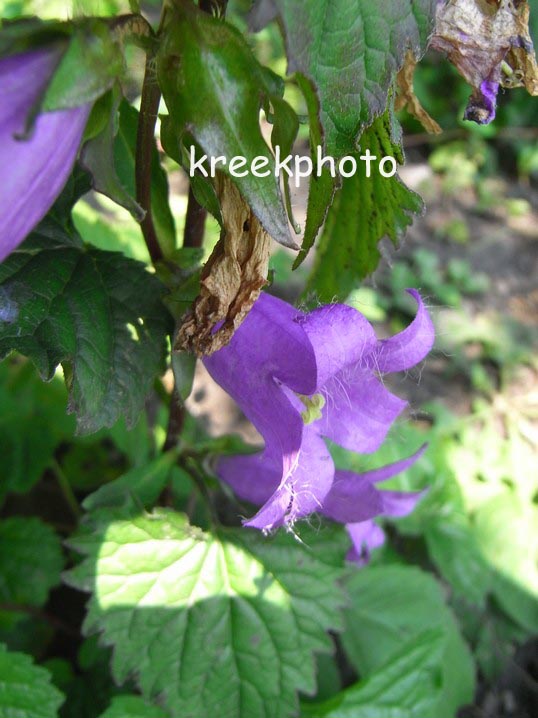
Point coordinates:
[[149, 107], [67, 491]]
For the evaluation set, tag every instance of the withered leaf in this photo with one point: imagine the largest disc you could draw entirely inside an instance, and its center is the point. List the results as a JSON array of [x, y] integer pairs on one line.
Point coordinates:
[[232, 277], [489, 43], [406, 97]]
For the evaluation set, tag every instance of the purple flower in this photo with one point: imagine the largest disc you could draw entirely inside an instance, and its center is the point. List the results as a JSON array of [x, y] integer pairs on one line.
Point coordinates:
[[353, 500], [36, 157], [303, 378]]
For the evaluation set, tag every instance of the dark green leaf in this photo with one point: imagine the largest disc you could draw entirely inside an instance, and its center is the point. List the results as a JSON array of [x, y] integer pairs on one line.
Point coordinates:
[[97, 313], [364, 211], [138, 487], [350, 51], [213, 625], [132, 707], [97, 157], [33, 422], [25, 689], [214, 89], [30, 561]]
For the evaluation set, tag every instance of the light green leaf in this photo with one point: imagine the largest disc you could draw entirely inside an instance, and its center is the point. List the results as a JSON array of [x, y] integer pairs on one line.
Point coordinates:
[[214, 89], [211, 624], [350, 51], [391, 604], [364, 211], [25, 689], [132, 707], [455, 551], [30, 561], [97, 313], [409, 685], [505, 527]]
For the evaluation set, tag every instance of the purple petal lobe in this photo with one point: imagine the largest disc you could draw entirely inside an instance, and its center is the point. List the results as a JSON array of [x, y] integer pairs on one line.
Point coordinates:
[[33, 170], [400, 503], [366, 537], [390, 470], [303, 490], [358, 410], [253, 478], [340, 336], [352, 499], [409, 347]]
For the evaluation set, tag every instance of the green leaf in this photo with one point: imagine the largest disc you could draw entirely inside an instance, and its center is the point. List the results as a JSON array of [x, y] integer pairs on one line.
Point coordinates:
[[138, 487], [391, 604], [97, 157], [97, 313], [350, 51], [30, 561], [214, 89], [33, 423], [25, 689], [132, 707], [211, 624], [364, 211], [91, 64], [409, 685], [505, 527], [456, 553]]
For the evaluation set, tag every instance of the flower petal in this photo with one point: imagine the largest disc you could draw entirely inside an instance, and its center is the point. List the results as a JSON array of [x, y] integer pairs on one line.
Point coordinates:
[[400, 503], [302, 491], [340, 336], [33, 170], [358, 410], [352, 498], [253, 478], [366, 537], [410, 346]]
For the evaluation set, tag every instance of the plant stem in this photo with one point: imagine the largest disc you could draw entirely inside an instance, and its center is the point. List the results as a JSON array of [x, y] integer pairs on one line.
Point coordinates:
[[149, 107], [67, 491], [193, 235]]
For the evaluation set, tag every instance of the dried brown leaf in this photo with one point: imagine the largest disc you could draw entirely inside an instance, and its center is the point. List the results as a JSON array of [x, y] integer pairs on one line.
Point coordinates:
[[406, 96], [232, 277], [489, 43]]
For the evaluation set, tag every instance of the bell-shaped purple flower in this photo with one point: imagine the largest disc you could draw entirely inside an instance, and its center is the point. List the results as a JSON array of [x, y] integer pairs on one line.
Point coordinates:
[[303, 378], [36, 154]]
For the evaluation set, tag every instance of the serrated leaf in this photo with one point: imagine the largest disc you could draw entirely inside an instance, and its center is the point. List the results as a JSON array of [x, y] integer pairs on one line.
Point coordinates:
[[391, 604], [364, 211], [409, 685], [97, 313], [33, 423], [132, 707], [30, 561], [350, 50], [211, 624], [214, 89], [25, 689]]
